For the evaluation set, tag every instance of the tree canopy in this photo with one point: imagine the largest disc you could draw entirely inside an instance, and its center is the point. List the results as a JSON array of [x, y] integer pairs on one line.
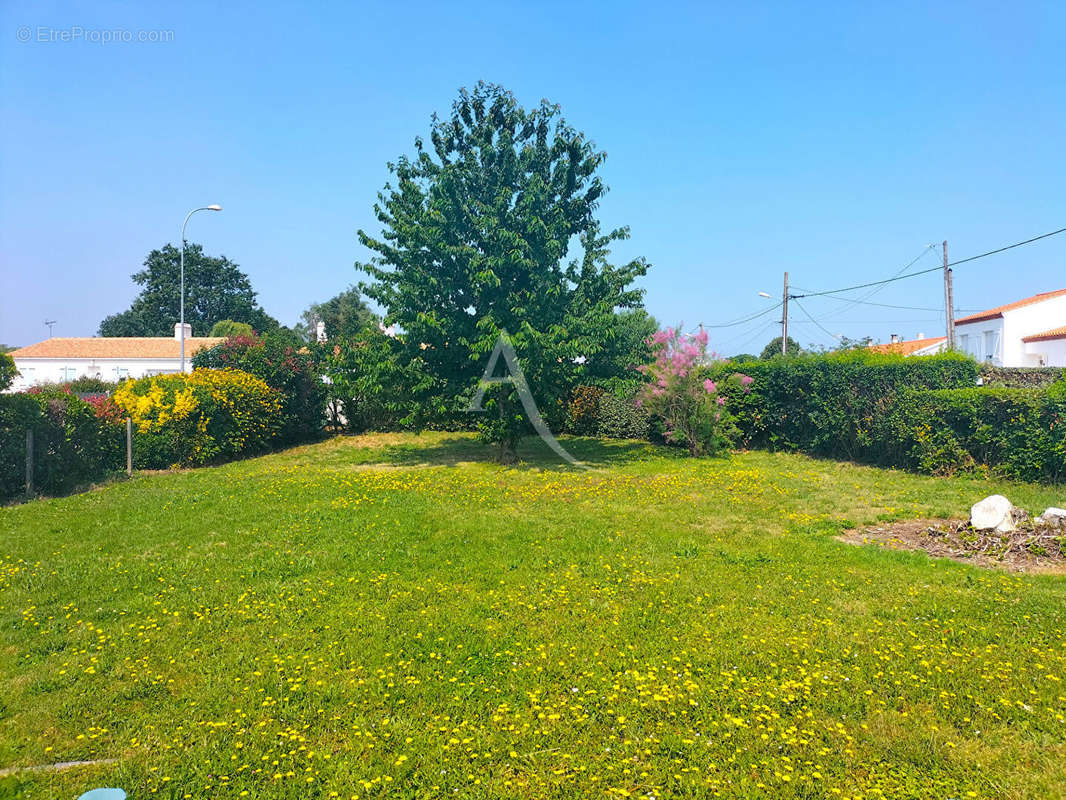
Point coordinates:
[[215, 290], [774, 348], [492, 228], [344, 315], [228, 328]]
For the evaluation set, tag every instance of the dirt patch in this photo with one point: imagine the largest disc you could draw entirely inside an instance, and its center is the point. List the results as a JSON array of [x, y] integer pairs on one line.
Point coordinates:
[[1032, 549]]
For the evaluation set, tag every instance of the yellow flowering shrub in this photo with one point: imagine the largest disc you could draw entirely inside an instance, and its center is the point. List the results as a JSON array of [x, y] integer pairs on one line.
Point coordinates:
[[201, 417]]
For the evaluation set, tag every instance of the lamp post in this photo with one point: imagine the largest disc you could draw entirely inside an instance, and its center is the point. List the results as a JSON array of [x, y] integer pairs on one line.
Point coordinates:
[[181, 321]]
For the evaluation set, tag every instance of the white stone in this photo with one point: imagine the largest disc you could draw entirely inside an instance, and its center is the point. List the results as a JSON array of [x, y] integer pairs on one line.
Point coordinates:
[[1054, 517], [994, 513]]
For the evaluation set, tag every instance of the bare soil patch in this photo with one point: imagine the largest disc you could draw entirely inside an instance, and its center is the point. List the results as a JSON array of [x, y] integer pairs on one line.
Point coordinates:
[[1029, 549]]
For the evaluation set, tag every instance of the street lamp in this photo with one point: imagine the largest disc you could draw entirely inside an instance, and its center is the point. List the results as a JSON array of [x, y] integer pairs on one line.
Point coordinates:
[[181, 321], [764, 294]]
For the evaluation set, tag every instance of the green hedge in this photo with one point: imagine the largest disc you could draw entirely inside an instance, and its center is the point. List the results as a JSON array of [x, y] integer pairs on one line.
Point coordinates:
[[1020, 377], [833, 405], [1020, 433], [73, 446]]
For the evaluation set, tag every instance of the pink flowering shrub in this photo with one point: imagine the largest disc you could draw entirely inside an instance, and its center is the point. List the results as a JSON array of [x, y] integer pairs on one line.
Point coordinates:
[[692, 409]]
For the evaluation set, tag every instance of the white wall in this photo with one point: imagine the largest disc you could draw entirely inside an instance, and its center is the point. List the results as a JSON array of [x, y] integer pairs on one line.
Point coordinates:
[[976, 334], [1026, 321], [1052, 352], [33, 371], [1007, 332]]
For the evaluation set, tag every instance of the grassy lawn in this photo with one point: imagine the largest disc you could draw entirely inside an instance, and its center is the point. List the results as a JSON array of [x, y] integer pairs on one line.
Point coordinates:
[[386, 617]]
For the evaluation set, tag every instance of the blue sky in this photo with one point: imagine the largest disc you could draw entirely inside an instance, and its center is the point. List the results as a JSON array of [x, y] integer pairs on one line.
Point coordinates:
[[834, 142]]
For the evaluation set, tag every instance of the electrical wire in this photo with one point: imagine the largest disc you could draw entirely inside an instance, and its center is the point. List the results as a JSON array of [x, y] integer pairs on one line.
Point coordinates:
[[931, 269], [833, 336], [743, 320]]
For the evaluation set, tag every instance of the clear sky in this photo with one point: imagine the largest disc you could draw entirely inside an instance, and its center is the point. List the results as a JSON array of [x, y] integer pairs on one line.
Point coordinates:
[[833, 141]]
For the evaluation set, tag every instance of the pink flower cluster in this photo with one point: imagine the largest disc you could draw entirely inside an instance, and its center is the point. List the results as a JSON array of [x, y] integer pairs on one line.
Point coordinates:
[[691, 408]]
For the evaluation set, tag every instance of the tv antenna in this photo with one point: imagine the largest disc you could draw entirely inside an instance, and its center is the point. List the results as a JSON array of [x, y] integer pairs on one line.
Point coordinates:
[[50, 323]]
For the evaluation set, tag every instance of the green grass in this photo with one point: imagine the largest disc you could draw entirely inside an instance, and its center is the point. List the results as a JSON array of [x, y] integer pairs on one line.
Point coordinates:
[[389, 617]]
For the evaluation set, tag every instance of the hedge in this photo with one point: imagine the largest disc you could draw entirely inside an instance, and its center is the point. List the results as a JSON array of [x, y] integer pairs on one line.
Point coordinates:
[[73, 446], [833, 405], [1021, 377], [1020, 433]]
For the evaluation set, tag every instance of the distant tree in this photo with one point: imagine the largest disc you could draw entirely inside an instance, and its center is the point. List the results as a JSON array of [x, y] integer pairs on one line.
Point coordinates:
[[7, 371], [227, 328], [476, 237], [345, 315], [743, 358], [6, 348], [774, 348], [215, 290]]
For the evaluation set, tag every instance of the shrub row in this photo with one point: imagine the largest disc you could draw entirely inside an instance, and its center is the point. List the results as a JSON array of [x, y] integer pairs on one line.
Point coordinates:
[[833, 405], [1020, 377], [73, 445], [925, 414], [1020, 433]]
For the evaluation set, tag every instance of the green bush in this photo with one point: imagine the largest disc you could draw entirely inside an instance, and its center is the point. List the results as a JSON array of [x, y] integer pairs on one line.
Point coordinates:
[[833, 405], [620, 418], [208, 416], [7, 371], [285, 366], [72, 445]]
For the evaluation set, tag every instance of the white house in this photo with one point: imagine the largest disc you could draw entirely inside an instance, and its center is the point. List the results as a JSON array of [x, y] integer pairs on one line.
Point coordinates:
[[1025, 333], [59, 359]]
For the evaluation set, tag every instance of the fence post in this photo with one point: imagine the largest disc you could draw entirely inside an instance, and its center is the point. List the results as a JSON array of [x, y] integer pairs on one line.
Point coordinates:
[[129, 447], [29, 463]]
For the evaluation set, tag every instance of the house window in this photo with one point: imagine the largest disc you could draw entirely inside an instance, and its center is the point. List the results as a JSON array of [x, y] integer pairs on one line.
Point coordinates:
[[121, 373], [67, 373], [989, 350], [27, 373], [964, 343]]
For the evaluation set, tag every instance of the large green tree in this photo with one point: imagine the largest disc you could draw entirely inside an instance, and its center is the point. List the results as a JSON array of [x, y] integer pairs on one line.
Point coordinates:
[[479, 237], [215, 290]]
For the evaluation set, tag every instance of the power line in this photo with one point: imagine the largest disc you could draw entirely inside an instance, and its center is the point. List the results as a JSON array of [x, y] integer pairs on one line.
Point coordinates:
[[932, 269], [888, 305], [816, 322], [743, 320]]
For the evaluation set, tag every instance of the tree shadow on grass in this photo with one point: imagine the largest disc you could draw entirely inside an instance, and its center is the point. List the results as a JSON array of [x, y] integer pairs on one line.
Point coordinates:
[[533, 454]]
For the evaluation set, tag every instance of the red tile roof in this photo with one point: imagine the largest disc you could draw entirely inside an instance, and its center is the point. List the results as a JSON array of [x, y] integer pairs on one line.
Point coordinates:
[[906, 348], [125, 347], [993, 313], [1054, 333]]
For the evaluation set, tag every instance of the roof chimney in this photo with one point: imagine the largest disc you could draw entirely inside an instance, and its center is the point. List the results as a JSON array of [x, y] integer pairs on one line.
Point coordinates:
[[320, 331], [895, 338], [177, 331]]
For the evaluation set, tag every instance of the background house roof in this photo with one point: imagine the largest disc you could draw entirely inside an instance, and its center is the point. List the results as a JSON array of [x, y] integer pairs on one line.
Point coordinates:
[[115, 347], [992, 313], [907, 348], [1054, 333]]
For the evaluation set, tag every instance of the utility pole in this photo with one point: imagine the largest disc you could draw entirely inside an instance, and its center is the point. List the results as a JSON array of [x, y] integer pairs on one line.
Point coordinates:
[[949, 300], [784, 319]]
